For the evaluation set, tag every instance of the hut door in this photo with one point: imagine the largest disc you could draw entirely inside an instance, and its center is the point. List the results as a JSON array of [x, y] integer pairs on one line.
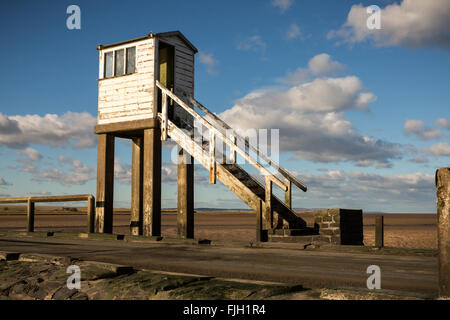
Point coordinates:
[[166, 55]]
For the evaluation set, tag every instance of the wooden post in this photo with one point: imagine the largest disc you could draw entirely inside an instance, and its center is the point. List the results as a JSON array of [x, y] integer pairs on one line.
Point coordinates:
[[105, 184], [164, 113], [288, 194], [212, 157], [268, 213], [30, 216], [91, 214], [442, 180], [379, 231], [185, 195], [136, 186], [261, 234], [152, 182], [232, 151]]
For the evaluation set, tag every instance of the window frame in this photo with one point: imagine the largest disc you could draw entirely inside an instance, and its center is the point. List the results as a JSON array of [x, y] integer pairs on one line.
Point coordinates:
[[113, 51]]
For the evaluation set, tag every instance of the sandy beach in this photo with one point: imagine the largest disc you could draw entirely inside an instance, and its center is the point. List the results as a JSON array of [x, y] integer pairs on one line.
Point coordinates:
[[401, 230]]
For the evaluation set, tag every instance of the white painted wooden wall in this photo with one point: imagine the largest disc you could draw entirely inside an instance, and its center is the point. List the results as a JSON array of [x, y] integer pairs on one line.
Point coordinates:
[[130, 97]]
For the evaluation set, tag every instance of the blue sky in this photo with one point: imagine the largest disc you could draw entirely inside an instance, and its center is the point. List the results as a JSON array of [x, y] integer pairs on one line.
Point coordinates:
[[363, 115]]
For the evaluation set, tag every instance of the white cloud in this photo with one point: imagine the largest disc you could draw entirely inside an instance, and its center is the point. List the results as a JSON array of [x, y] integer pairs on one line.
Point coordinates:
[[420, 159], [319, 65], [283, 5], [413, 126], [40, 193], [418, 128], [122, 172], [169, 173], [253, 43], [438, 149], [414, 191], [322, 64], [312, 122], [443, 123], [208, 60], [51, 130], [77, 172], [412, 24], [30, 154], [293, 32]]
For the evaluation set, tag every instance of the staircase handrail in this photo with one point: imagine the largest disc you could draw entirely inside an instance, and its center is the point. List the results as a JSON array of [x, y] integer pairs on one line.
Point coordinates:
[[213, 132]]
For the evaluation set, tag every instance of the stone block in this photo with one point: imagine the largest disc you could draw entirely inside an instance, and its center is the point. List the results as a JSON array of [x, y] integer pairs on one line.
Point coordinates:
[[340, 226]]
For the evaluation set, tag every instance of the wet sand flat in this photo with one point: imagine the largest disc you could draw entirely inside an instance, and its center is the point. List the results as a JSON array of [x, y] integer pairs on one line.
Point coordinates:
[[401, 230]]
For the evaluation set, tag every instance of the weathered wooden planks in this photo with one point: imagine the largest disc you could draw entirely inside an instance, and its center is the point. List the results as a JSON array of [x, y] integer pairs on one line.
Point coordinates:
[[220, 135], [234, 178], [152, 182], [105, 183], [185, 195], [30, 201], [137, 186], [128, 97], [442, 180]]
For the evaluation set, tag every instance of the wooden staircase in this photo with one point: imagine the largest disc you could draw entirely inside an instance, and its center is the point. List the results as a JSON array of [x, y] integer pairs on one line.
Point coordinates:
[[277, 217]]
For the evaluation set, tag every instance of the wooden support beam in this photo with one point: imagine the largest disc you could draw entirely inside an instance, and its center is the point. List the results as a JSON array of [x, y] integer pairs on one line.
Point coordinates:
[[30, 216], [379, 231], [443, 211], [137, 168], [152, 183], [164, 114], [91, 214], [268, 211], [288, 194], [233, 151], [105, 184], [212, 157], [288, 202], [261, 234], [185, 195], [125, 126]]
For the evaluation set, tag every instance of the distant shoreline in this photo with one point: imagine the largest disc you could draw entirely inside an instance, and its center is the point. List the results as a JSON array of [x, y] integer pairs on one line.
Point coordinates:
[[21, 209]]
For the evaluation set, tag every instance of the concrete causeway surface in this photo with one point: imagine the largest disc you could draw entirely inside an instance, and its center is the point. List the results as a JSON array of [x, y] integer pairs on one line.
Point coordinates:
[[409, 273]]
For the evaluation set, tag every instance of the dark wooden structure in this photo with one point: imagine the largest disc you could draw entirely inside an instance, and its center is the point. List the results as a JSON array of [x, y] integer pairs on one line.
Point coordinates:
[[146, 94]]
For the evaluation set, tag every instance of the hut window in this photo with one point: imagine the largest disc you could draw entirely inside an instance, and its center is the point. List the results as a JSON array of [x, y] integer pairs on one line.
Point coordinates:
[[119, 63], [131, 59], [108, 64]]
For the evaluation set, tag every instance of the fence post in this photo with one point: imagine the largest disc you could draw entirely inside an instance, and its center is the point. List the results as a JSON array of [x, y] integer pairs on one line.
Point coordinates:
[[379, 231], [442, 181], [30, 215]]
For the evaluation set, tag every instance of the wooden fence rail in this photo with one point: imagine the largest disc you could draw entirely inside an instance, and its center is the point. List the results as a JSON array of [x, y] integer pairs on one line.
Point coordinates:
[[30, 201]]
